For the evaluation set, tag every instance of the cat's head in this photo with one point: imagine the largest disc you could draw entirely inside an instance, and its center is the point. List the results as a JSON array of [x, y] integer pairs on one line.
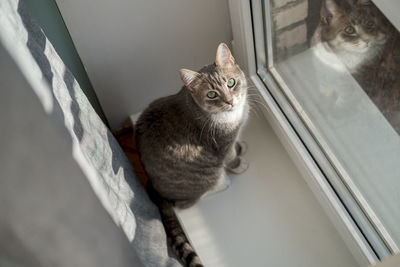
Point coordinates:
[[218, 87], [354, 26]]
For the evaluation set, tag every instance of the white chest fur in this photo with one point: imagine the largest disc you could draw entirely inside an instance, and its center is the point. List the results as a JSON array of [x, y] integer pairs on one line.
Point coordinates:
[[354, 61], [343, 60], [232, 118]]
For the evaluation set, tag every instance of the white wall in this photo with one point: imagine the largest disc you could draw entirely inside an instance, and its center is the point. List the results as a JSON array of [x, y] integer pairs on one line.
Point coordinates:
[[132, 50]]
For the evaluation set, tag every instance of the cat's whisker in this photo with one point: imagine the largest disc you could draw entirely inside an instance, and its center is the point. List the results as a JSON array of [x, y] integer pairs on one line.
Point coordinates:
[[258, 103], [253, 94], [256, 106], [255, 103], [214, 131], [254, 97], [210, 129], [254, 110], [202, 129]]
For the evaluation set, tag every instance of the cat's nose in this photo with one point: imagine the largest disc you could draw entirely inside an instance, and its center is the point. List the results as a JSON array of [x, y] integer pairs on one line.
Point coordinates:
[[229, 102]]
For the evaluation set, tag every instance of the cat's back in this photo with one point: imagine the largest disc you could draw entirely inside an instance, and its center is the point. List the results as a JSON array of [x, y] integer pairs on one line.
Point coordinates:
[[162, 110], [159, 120]]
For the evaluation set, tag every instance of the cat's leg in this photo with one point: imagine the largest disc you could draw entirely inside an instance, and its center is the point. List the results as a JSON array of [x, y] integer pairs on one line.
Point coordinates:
[[222, 184], [234, 162], [241, 148], [238, 165]]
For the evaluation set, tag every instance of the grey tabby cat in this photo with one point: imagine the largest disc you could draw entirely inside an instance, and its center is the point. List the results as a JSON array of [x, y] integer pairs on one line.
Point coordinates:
[[189, 140], [369, 46]]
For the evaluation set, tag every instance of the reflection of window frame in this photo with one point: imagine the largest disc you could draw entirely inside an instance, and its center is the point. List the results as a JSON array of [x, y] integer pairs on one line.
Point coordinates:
[[355, 221]]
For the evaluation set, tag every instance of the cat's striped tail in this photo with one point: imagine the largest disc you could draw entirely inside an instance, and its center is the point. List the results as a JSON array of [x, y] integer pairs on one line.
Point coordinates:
[[176, 236]]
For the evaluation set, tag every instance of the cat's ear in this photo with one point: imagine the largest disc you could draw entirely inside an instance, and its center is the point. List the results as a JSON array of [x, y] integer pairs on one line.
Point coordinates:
[[188, 77], [224, 57], [329, 10]]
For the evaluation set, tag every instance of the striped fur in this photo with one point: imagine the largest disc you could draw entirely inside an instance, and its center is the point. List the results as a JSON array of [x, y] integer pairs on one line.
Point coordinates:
[[176, 236], [187, 141]]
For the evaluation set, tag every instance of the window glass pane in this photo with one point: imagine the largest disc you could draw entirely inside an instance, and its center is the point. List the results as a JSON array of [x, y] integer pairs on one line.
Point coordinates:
[[338, 63]]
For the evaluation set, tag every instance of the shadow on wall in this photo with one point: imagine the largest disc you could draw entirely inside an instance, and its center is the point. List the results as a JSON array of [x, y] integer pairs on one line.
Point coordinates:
[[101, 151], [36, 43]]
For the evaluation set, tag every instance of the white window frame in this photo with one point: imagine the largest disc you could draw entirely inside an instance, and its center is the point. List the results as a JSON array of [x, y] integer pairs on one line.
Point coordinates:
[[364, 241]]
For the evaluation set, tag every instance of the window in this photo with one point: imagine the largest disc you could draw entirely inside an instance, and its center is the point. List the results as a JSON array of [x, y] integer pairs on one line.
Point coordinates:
[[336, 65]]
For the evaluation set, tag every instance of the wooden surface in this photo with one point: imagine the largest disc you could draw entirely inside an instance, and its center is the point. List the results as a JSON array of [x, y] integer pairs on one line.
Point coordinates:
[[126, 140]]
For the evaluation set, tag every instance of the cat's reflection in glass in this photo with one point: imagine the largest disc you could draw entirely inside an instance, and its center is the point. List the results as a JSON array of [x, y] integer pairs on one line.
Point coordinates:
[[366, 42]]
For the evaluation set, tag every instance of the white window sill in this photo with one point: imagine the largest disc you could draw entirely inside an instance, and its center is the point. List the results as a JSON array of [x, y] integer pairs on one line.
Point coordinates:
[[268, 216]]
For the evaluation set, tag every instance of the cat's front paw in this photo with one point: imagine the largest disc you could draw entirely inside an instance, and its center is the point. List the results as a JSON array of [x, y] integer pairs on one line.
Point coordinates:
[[238, 165], [241, 148], [222, 184]]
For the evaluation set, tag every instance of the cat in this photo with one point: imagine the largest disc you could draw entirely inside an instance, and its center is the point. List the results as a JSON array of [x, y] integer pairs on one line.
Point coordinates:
[[187, 141], [356, 31], [362, 38]]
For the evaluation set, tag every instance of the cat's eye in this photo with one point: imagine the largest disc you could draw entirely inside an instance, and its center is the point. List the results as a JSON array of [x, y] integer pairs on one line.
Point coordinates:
[[349, 30], [370, 24], [231, 82], [212, 94]]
